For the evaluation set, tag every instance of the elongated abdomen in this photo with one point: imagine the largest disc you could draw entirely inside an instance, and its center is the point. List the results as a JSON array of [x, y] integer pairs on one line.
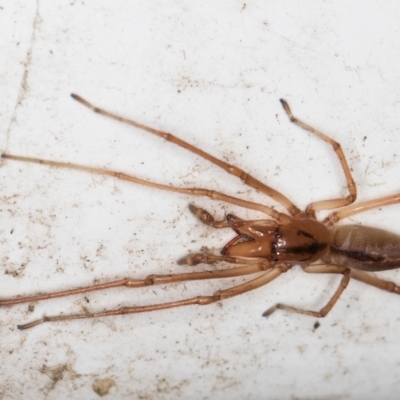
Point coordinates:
[[364, 248]]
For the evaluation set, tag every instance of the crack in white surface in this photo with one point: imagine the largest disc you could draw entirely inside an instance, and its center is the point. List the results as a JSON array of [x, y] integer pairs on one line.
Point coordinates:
[[24, 86]]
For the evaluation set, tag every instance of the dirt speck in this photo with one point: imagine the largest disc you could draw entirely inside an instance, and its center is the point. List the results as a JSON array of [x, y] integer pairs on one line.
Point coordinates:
[[103, 386], [58, 373]]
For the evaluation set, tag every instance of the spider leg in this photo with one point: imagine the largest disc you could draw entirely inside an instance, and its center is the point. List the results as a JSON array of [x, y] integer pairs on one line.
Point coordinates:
[[374, 281], [346, 212], [148, 281], [246, 178], [333, 203], [199, 300], [280, 217], [318, 269]]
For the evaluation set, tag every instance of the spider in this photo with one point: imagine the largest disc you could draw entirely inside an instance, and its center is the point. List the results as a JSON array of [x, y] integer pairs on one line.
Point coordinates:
[[267, 247]]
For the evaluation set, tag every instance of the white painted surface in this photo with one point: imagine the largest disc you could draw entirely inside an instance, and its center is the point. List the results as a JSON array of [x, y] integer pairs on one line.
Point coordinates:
[[212, 72]]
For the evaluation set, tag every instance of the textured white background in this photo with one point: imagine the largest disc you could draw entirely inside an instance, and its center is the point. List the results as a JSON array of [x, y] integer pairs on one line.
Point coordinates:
[[211, 72]]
